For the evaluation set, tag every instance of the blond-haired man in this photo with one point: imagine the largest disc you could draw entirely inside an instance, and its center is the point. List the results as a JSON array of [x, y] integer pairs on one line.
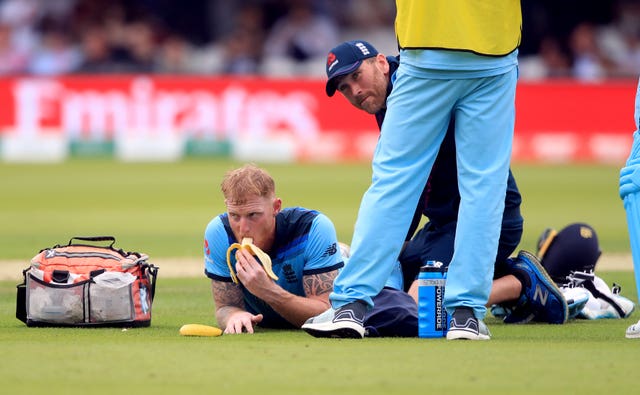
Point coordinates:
[[304, 255]]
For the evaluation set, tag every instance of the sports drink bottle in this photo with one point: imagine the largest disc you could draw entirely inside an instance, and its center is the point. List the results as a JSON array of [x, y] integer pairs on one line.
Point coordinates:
[[432, 316]]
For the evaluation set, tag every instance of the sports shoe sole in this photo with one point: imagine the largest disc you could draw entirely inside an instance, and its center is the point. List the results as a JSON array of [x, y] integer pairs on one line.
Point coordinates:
[[329, 330], [471, 329], [548, 282], [459, 334]]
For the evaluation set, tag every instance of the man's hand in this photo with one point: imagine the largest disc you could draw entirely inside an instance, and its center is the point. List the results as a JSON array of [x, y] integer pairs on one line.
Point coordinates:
[[247, 244], [241, 322], [230, 310], [252, 275]]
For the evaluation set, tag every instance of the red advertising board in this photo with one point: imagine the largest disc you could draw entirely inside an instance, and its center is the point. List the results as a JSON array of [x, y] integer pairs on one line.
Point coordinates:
[[571, 121], [556, 121]]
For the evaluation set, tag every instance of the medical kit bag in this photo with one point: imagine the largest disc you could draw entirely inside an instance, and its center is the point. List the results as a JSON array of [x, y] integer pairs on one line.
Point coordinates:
[[87, 283]]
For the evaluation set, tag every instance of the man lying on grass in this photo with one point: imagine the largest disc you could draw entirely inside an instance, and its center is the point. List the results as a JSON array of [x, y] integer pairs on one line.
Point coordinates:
[[274, 267]]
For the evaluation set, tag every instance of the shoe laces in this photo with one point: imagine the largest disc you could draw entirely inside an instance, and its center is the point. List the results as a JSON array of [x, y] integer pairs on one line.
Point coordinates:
[[577, 279], [616, 289]]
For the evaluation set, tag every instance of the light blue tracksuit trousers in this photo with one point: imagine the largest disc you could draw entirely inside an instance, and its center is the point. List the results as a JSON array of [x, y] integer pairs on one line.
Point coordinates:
[[630, 193], [415, 124]]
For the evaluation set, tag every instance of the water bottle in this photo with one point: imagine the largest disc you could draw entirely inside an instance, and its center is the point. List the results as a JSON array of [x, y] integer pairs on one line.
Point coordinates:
[[432, 316]]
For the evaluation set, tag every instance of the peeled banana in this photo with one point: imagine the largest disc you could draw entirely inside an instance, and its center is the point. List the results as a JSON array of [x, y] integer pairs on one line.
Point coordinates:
[[247, 244]]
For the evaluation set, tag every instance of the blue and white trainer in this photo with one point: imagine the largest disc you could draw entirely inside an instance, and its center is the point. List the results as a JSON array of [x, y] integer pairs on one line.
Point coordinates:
[[541, 299], [345, 322], [465, 326]]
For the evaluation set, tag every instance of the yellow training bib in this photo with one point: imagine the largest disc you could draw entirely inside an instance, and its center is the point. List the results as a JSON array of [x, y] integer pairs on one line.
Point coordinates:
[[486, 27]]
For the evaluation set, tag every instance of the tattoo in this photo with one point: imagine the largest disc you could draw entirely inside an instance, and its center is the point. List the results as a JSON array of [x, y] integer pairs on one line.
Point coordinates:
[[319, 284], [227, 294]]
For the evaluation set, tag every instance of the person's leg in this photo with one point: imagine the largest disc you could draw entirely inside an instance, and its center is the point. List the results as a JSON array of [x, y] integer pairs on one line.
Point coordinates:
[[418, 114], [436, 243], [415, 124], [431, 243], [630, 194], [504, 289], [394, 314], [484, 134]]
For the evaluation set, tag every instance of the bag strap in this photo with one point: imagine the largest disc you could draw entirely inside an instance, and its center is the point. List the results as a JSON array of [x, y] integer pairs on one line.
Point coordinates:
[[94, 239], [153, 274], [97, 239]]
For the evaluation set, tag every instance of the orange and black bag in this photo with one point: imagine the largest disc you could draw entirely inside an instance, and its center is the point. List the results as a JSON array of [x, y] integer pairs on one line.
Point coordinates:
[[87, 285]]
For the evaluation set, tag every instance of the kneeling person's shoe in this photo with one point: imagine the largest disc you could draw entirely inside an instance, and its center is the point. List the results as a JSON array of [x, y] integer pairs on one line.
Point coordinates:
[[344, 322], [543, 299], [464, 325]]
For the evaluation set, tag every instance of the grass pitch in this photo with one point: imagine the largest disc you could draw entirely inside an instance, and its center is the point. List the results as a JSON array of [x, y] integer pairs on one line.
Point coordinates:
[[581, 357], [162, 209]]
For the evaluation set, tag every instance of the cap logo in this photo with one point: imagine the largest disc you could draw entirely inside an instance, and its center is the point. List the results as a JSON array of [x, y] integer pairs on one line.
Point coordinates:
[[363, 48], [332, 60], [585, 232]]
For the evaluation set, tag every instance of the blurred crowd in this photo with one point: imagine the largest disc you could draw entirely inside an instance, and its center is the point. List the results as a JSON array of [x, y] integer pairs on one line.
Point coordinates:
[[589, 40]]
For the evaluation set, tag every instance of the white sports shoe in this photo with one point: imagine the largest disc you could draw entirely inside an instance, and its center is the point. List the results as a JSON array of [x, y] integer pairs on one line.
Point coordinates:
[[577, 298], [345, 322], [606, 303], [633, 332], [603, 302]]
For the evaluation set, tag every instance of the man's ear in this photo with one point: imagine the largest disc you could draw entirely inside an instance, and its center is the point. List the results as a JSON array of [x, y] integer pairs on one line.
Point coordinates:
[[277, 205], [381, 59]]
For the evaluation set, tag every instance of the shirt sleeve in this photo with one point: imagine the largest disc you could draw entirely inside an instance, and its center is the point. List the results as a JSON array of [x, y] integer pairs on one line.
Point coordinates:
[[322, 250], [216, 243]]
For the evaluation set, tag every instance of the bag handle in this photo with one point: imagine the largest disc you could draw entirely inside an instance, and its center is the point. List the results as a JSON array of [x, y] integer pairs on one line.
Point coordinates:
[[153, 271], [93, 239]]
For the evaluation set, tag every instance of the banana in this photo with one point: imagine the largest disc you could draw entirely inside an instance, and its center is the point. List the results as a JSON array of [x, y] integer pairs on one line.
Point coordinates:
[[199, 330], [247, 244]]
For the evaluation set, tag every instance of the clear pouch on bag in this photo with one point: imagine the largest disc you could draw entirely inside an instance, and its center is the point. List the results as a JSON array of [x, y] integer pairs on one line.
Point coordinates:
[[55, 303], [111, 297]]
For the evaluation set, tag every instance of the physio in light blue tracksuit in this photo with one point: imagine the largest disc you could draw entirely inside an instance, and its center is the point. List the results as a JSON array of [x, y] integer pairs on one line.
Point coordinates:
[[630, 193], [475, 82]]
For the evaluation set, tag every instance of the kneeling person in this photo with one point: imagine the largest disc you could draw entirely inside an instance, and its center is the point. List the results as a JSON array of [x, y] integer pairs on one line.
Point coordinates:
[[366, 78]]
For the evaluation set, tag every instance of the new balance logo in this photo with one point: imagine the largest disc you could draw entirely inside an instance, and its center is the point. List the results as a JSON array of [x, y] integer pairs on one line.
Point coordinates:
[[540, 296], [331, 250]]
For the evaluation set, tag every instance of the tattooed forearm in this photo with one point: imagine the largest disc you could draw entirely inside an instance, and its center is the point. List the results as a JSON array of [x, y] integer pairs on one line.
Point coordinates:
[[226, 294], [319, 284]]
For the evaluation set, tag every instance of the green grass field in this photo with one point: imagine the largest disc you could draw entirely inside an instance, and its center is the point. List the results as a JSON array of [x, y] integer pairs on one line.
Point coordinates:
[[581, 357], [161, 209]]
